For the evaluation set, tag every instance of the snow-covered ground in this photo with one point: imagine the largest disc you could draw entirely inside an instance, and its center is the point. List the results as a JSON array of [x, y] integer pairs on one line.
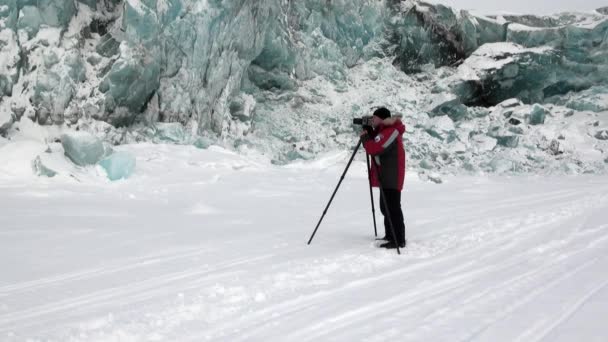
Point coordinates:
[[209, 245]]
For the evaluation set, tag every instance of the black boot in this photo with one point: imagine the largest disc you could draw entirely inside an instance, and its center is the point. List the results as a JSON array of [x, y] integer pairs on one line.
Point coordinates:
[[392, 245]]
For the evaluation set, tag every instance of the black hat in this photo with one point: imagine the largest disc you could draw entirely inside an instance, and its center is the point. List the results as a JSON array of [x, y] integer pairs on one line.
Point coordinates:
[[382, 113]]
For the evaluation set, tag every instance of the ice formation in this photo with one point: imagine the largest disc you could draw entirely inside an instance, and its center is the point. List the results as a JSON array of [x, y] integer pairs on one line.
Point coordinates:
[[82, 148], [41, 170], [287, 77]]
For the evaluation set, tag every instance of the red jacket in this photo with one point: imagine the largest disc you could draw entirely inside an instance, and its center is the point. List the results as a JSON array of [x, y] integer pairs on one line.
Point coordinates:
[[386, 148]]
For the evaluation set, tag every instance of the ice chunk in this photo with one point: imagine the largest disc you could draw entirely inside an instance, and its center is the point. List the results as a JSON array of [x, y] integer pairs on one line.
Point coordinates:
[[9, 13], [170, 132], [503, 136], [108, 46], [56, 13], [555, 148], [508, 140], [52, 95], [602, 135], [29, 20], [533, 115], [107, 150], [457, 147], [82, 148], [50, 59], [202, 143], [482, 143], [10, 61], [130, 83], [516, 130], [442, 128], [6, 119], [501, 165], [537, 115], [435, 178], [119, 165], [90, 3], [447, 104], [440, 35], [75, 66], [430, 177], [510, 103], [504, 71], [140, 20], [593, 104], [594, 99], [426, 164], [41, 170]]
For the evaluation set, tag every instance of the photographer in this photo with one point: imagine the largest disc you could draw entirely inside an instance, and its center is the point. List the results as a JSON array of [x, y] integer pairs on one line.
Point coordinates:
[[385, 146]]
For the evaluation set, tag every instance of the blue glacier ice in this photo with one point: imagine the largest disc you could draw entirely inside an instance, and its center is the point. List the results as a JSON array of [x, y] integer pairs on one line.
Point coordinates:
[[119, 165], [537, 115], [202, 143], [594, 99], [82, 148], [170, 132], [287, 77], [199, 58]]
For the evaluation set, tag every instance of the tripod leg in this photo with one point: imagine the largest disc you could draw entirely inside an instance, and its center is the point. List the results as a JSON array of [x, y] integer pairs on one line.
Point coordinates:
[[335, 191], [371, 194]]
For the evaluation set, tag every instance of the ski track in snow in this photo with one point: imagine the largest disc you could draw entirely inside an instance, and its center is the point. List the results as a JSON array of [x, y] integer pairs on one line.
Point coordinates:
[[174, 256]]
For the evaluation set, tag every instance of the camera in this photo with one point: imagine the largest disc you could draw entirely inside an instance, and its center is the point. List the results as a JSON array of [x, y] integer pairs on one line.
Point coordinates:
[[366, 123], [363, 121]]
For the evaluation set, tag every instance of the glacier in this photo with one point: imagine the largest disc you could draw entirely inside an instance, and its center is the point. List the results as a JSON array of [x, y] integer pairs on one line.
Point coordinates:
[[286, 78]]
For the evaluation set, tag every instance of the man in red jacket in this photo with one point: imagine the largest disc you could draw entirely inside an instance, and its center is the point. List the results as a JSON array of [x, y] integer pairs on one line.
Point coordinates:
[[385, 146]]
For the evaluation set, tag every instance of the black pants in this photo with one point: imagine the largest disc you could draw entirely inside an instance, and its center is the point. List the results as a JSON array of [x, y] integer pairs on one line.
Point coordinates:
[[393, 201]]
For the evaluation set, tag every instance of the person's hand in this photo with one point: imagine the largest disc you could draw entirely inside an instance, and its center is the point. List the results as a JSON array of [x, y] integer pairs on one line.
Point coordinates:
[[363, 133]]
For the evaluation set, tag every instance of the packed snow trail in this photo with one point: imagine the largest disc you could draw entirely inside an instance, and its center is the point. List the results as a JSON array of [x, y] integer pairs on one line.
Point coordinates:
[[208, 245]]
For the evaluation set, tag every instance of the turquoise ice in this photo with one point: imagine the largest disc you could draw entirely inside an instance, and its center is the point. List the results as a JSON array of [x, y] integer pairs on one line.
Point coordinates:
[[82, 148], [119, 165]]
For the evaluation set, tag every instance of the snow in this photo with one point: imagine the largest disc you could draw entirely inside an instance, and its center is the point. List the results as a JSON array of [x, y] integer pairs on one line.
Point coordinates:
[[536, 7], [49, 36], [211, 245], [521, 27], [82, 19]]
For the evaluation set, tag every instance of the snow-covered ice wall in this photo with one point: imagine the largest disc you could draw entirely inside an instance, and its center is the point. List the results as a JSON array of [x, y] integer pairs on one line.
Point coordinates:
[[286, 77]]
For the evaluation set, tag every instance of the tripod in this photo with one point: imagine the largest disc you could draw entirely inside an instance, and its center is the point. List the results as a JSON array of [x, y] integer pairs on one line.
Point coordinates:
[[370, 193]]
